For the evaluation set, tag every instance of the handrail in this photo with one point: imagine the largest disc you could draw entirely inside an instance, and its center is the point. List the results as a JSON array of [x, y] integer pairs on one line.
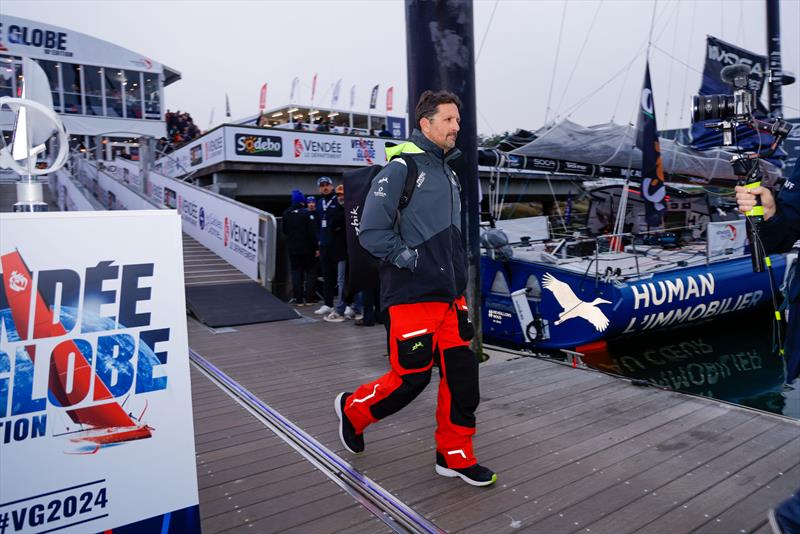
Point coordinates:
[[267, 227], [177, 162]]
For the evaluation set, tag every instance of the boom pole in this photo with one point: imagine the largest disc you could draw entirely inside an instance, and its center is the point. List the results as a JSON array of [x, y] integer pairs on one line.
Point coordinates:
[[440, 51]]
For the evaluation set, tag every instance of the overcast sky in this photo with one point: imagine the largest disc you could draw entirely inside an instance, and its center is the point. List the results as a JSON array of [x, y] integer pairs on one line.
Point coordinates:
[[234, 47]]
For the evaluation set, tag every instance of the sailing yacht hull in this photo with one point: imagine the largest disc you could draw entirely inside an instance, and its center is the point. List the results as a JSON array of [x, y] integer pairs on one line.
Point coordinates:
[[561, 309]]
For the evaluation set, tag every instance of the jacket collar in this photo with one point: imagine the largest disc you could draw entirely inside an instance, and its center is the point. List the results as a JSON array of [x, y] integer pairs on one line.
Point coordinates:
[[419, 139]]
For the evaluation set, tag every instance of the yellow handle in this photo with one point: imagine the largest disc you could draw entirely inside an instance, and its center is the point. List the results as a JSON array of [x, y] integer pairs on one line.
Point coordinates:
[[757, 211]]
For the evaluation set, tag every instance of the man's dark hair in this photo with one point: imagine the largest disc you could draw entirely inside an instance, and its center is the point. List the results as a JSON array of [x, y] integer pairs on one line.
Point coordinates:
[[429, 102]]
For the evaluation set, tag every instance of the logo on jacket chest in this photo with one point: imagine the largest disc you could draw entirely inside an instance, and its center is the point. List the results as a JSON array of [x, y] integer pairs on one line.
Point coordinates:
[[420, 179]]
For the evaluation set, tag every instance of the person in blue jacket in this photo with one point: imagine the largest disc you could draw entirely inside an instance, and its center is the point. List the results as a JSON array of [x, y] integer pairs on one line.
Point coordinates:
[[779, 232]]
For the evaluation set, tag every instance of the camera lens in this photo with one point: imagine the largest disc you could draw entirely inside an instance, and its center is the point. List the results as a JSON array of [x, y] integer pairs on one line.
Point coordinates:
[[712, 107]]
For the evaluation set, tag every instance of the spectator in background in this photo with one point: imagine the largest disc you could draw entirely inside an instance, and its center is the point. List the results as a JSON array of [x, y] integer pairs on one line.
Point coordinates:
[[327, 210], [181, 129], [343, 309], [300, 229], [384, 132]]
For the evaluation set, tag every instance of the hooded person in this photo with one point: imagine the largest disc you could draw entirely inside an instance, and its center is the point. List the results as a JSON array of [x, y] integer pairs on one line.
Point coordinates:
[[300, 230]]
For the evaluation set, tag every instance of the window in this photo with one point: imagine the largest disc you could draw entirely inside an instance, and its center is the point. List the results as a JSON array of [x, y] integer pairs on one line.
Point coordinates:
[[71, 75], [113, 82], [6, 76], [51, 68], [152, 96], [93, 78], [18, 79], [133, 95]]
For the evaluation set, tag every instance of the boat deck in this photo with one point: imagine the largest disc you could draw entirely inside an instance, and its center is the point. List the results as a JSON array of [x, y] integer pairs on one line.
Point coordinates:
[[575, 450]]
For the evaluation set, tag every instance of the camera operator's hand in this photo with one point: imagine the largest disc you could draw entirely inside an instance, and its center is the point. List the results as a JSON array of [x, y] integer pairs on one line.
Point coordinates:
[[746, 198]]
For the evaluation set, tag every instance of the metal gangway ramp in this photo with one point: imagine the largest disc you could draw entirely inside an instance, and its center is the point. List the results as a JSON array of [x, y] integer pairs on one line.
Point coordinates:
[[201, 266], [228, 247]]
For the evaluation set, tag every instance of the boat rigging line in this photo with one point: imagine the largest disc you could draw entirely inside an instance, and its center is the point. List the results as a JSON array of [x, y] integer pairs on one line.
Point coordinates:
[[580, 54], [683, 108], [486, 33], [398, 516], [555, 62], [669, 78]]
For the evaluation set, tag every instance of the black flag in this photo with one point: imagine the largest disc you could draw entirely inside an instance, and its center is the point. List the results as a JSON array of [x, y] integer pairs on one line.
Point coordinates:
[[653, 188]]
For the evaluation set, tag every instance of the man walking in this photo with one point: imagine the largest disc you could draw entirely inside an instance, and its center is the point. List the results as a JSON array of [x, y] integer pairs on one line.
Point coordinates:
[[423, 277]]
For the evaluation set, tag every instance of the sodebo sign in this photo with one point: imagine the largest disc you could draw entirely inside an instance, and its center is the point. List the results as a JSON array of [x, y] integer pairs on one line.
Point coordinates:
[[259, 145]]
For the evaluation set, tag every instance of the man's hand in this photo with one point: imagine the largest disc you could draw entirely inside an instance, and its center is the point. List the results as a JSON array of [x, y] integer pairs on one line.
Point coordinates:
[[746, 198]]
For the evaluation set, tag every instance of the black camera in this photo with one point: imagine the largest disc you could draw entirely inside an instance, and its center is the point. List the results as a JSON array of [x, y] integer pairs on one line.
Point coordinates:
[[738, 107]]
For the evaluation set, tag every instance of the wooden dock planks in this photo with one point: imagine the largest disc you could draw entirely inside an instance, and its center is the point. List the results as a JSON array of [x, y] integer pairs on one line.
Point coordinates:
[[574, 449]]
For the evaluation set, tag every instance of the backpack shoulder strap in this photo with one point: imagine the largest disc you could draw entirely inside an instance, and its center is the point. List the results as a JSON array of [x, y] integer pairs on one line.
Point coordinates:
[[411, 178]]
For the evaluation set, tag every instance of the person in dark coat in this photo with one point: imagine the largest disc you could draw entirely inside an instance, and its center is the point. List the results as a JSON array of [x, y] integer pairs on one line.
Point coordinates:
[[423, 278], [342, 310], [300, 229], [779, 232], [327, 210]]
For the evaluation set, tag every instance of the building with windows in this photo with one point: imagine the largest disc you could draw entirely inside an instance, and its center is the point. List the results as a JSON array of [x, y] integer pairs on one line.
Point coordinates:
[[309, 118], [103, 92]]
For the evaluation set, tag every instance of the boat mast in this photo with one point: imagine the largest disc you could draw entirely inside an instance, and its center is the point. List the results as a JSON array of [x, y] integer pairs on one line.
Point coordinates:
[[440, 54], [774, 58]]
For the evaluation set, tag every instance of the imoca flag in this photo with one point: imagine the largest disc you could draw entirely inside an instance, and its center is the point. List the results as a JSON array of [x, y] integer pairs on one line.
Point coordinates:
[[720, 54], [653, 189]]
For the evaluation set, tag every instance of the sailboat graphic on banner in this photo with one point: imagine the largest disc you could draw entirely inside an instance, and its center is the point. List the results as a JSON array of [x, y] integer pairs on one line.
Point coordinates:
[[71, 377]]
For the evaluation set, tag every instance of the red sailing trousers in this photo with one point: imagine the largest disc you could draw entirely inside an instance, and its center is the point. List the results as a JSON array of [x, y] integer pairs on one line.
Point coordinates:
[[418, 335]]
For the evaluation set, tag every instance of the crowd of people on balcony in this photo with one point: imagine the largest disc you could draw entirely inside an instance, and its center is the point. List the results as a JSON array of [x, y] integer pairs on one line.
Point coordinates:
[[181, 129]]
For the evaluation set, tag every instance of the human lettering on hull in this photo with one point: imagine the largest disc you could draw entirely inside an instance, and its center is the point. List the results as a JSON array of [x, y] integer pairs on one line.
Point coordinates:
[[666, 291], [675, 316], [88, 334]]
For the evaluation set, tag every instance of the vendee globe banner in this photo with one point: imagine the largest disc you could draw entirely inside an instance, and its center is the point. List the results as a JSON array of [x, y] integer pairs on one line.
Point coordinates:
[[96, 427], [273, 145]]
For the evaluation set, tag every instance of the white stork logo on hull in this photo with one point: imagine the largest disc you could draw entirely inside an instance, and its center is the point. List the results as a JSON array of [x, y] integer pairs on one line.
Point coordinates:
[[573, 306]]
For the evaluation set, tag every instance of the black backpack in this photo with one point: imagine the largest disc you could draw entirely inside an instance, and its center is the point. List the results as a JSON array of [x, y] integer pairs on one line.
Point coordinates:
[[363, 266]]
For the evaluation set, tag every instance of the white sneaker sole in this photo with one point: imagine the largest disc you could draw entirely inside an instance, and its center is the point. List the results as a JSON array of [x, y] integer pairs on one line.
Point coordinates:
[[445, 472], [773, 522], [337, 405]]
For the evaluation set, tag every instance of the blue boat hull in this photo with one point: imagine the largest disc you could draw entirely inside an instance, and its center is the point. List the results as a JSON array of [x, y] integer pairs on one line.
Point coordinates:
[[568, 310]]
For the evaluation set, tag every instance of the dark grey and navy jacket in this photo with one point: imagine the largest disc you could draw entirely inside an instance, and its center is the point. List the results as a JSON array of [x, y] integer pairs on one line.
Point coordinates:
[[423, 258], [779, 234]]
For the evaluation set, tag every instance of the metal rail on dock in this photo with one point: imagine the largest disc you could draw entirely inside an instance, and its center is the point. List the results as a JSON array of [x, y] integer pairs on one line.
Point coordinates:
[[380, 502]]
